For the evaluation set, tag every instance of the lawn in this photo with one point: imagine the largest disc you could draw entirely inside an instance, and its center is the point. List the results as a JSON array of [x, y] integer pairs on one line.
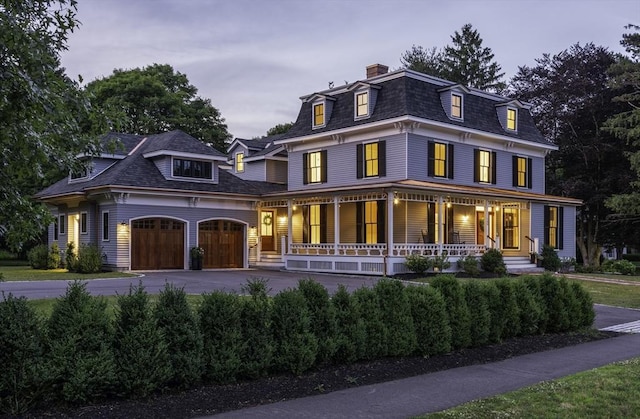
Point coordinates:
[[26, 273]]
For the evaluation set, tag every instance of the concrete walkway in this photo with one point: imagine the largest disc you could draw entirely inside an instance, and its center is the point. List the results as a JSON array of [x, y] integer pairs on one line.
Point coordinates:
[[442, 390]]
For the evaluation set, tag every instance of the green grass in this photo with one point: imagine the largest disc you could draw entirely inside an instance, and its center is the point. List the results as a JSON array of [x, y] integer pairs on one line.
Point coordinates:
[[26, 273], [607, 392], [612, 294], [630, 278]]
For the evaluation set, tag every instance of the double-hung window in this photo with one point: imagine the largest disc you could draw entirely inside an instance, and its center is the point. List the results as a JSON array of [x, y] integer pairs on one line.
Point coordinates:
[[553, 222], [522, 173], [512, 119], [62, 225], [456, 106], [440, 160], [318, 115], [314, 167], [105, 226], [484, 166], [362, 104], [83, 223], [371, 159], [239, 162]]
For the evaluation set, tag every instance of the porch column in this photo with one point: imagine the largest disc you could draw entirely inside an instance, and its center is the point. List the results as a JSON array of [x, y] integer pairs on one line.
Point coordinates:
[[440, 223], [487, 244], [289, 226], [336, 223]]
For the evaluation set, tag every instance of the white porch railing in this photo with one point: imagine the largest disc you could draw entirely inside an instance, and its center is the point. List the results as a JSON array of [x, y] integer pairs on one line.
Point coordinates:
[[437, 249], [355, 249]]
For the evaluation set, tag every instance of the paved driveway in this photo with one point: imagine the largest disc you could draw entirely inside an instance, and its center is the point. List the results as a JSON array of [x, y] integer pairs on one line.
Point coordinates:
[[194, 282]]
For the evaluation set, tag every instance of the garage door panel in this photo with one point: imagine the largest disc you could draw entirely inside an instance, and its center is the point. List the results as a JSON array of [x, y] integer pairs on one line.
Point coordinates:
[[157, 243], [222, 242]]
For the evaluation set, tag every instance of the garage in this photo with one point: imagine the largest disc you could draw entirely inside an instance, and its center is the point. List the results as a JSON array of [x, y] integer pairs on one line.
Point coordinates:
[[157, 243], [223, 244]]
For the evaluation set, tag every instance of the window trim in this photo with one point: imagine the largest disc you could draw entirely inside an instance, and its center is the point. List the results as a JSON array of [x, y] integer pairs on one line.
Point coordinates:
[[461, 107], [361, 169], [324, 114], [62, 224], [192, 178], [356, 105], [528, 173], [306, 168], [448, 159], [492, 166], [559, 227], [515, 119], [84, 223], [239, 162], [516, 226], [105, 237]]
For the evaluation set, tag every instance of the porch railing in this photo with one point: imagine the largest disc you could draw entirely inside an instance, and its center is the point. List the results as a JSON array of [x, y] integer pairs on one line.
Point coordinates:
[[399, 249], [431, 249]]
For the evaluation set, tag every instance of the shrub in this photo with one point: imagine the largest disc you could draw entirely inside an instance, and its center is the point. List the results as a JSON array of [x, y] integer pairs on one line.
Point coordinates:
[[475, 295], [296, 346], [89, 259], [586, 315], [457, 309], [529, 307], [220, 322], [430, 320], [70, 257], [179, 326], [505, 314], [633, 257], [39, 257], [492, 261], [23, 377], [54, 257], [350, 332], [557, 303], [624, 267], [441, 262], [550, 260], [80, 335], [376, 332], [255, 327], [469, 265], [323, 321], [418, 264], [256, 287], [395, 313], [141, 355]]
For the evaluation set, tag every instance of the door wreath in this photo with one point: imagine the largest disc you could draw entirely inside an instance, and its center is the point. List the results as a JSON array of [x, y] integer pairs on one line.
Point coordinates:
[[267, 219]]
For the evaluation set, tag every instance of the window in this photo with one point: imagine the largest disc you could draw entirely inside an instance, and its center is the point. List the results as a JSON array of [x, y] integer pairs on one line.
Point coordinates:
[[512, 118], [371, 160], [553, 221], [362, 104], [371, 222], [456, 106], [440, 160], [83, 223], [239, 162], [314, 223], [485, 166], [511, 228], [62, 228], [80, 174], [105, 226], [55, 229], [318, 115], [522, 172], [192, 169], [314, 167]]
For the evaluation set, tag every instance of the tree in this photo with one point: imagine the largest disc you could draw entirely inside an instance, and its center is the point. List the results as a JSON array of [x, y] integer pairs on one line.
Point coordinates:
[[43, 112], [571, 100], [466, 61], [625, 75], [156, 99], [279, 129]]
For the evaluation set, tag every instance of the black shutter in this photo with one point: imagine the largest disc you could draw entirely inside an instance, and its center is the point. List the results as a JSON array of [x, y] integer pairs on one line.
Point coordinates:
[[323, 223], [547, 216], [305, 168], [431, 222], [476, 165], [306, 224], [323, 167], [560, 227], [359, 223], [359, 161], [382, 158], [514, 163], [431, 151], [382, 227], [450, 161], [530, 173], [494, 170]]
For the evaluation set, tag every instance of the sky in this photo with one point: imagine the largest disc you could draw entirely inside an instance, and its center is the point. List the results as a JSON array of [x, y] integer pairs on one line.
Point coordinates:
[[254, 59]]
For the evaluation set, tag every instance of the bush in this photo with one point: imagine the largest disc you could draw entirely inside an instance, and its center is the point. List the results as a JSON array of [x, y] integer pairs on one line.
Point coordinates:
[[23, 377], [89, 259], [141, 355], [395, 313], [255, 327], [557, 303], [350, 334], [586, 314], [70, 258], [492, 261], [475, 295], [505, 313], [418, 264], [323, 321], [375, 330], [533, 312], [296, 346], [220, 322], [179, 326], [457, 309], [430, 320], [39, 257], [54, 257], [632, 257], [469, 265], [441, 262], [550, 260], [624, 267], [80, 335]]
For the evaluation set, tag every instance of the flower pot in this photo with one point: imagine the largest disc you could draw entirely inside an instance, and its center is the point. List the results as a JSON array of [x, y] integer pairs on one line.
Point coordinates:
[[196, 264]]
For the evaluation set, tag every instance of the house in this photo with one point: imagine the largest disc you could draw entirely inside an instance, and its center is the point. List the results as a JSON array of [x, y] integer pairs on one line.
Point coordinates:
[[396, 164]]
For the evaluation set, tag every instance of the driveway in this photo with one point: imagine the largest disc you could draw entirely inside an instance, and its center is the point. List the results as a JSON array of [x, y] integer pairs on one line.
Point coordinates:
[[194, 282]]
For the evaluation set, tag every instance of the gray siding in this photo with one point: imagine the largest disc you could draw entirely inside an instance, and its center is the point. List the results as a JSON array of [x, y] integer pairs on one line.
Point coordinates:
[[254, 170], [164, 165], [569, 233], [276, 171]]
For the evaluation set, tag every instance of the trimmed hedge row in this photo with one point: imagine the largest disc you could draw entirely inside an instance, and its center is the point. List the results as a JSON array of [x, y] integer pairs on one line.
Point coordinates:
[[78, 355]]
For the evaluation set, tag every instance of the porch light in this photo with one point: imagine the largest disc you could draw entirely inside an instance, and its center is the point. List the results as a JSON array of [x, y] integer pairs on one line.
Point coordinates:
[[465, 218], [124, 223], [396, 201], [295, 207], [448, 204]]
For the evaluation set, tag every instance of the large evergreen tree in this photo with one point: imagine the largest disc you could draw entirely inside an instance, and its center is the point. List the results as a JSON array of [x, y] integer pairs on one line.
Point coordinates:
[[156, 99], [571, 101]]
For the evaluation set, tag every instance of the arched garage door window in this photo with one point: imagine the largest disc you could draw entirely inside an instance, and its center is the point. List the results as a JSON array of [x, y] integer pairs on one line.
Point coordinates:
[[223, 244]]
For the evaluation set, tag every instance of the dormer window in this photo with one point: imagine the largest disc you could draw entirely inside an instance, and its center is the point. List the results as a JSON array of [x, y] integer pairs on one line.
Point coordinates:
[[192, 169], [362, 104], [456, 106], [512, 119], [239, 162], [318, 115]]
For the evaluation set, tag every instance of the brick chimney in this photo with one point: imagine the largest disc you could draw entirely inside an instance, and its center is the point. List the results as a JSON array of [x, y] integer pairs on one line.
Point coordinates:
[[376, 70]]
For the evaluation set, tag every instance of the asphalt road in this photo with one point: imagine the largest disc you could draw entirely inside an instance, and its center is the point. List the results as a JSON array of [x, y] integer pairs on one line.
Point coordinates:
[[193, 282]]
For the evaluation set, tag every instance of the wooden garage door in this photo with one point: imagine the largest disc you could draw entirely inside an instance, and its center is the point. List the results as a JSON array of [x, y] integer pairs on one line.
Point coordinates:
[[223, 244], [157, 243]]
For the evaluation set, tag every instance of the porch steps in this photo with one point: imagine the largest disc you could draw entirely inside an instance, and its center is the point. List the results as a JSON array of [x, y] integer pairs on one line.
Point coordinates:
[[521, 265], [270, 261]]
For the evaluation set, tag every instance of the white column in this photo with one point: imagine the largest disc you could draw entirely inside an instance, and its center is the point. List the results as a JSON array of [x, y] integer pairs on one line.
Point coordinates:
[[389, 227], [486, 225], [440, 224], [336, 224]]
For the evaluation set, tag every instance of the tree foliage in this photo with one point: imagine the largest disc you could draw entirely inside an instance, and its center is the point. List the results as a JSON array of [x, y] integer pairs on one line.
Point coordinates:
[[571, 100], [465, 61], [156, 99], [43, 112], [279, 129]]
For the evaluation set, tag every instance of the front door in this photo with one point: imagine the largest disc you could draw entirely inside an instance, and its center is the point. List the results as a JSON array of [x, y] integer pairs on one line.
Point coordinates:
[[480, 233], [267, 231]]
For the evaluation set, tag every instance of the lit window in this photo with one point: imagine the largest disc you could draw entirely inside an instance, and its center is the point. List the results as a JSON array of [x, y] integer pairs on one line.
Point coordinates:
[[511, 224], [553, 227], [512, 116], [83, 222], [371, 159], [484, 168], [440, 160], [371, 221], [318, 114], [239, 162], [105, 226], [191, 169], [456, 106], [315, 167], [362, 104], [314, 223]]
